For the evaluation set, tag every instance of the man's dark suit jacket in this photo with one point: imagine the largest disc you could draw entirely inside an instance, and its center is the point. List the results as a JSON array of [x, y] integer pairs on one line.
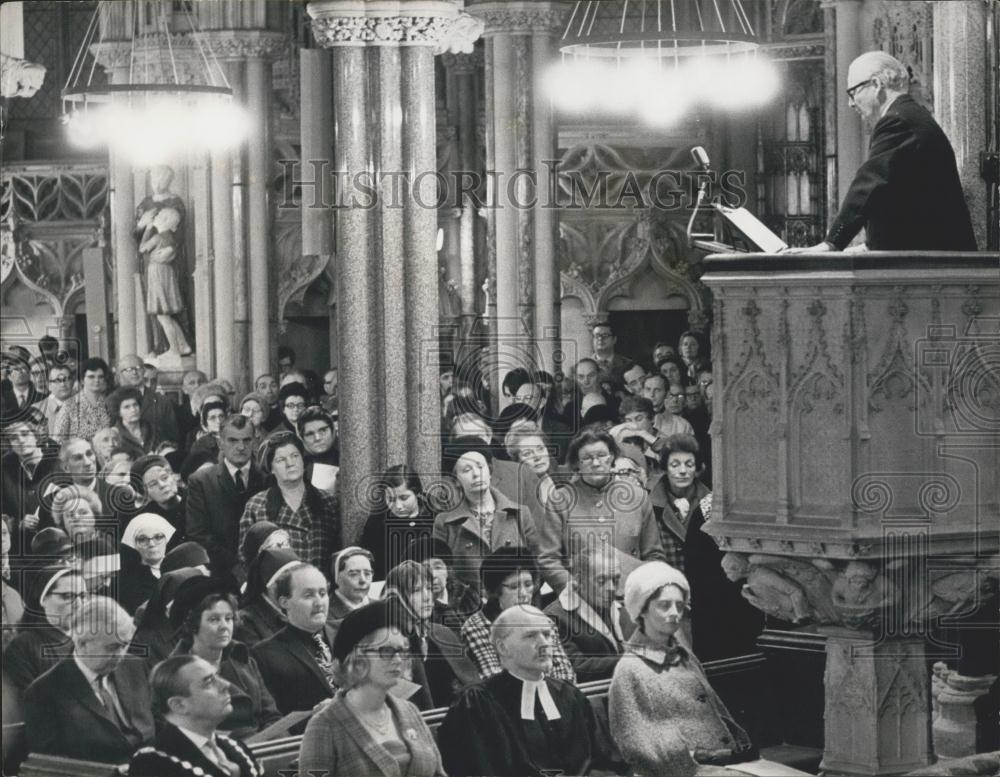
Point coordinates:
[[64, 717], [214, 509], [593, 655], [907, 194], [9, 409], [160, 412], [290, 671], [174, 755]]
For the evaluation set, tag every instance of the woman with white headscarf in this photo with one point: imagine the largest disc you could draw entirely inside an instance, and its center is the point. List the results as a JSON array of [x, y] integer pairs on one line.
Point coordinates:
[[143, 546], [665, 717], [351, 570]]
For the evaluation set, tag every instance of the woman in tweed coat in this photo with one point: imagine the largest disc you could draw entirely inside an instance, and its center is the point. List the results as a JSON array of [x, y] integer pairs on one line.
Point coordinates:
[[366, 730]]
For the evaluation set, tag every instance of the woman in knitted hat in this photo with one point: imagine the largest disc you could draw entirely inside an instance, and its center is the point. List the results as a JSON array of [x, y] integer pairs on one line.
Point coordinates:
[[260, 617], [484, 519], [351, 572], [401, 515], [665, 717], [43, 635], [440, 664], [144, 546], [204, 614], [369, 728], [510, 577], [310, 516]]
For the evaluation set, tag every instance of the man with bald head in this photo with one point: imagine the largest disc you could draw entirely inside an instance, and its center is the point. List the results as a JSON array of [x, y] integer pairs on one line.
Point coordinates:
[[907, 195], [520, 721], [157, 409]]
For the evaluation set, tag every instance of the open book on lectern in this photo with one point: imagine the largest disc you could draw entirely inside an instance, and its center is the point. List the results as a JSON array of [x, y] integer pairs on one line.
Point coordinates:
[[752, 228]]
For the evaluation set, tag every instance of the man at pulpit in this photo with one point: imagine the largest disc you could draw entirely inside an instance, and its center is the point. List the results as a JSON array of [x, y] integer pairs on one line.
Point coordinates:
[[907, 195]]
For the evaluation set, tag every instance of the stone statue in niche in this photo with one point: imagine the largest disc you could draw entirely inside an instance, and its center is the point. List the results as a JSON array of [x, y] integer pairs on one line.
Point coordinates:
[[160, 232]]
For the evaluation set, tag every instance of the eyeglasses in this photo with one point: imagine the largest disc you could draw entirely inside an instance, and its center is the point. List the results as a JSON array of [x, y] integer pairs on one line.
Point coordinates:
[[602, 335], [69, 596], [675, 395], [156, 539], [295, 405], [595, 458], [388, 652], [851, 91], [322, 432], [60, 380]]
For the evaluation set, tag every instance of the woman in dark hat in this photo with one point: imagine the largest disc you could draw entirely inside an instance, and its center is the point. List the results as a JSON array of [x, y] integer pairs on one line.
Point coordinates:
[[454, 601], [155, 638], [154, 478], [260, 617], [510, 577], [204, 615], [439, 663], [262, 536], [402, 516], [187, 554], [367, 729], [43, 635]]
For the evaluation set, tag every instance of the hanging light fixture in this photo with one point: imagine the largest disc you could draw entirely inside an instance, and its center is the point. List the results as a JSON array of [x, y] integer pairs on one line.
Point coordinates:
[[658, 58], [175, 97]]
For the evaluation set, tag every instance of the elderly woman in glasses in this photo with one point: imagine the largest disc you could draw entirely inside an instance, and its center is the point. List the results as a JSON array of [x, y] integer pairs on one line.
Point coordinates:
[[143, 547], [310, 516], [318, 434], [596, 505], [665, 717], [367, 729]]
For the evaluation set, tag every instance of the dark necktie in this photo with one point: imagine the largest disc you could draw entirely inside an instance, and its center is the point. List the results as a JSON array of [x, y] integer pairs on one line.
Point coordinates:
[[241, 485], [108, 700], [324, 658], [217, 755]]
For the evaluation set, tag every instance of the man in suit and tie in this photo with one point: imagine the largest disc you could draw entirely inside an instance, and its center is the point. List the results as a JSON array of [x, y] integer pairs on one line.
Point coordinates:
[[297, 662], [193, 700], [157, 409], [95, 704], [591, 621], [18, 392], [62, 385], [217, 496], [908, 194]]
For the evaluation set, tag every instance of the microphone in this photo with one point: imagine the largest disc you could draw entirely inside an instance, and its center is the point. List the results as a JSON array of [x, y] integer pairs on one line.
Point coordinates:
[[700, 157]]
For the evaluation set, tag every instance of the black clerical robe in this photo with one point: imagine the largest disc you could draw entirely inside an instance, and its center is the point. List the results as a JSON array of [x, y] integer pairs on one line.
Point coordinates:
[[483, 733]]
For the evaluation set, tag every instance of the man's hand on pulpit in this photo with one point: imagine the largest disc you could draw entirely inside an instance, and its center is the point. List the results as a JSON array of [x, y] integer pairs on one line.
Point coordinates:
[[819, 248]]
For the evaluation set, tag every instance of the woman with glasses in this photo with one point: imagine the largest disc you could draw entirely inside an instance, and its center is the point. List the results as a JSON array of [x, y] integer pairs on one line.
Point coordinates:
[[682, 504], [597, 506], [310, 516], [205, 616], [401, 517], [367, 729], [439, 663], [143, 547], [43, 635], [665, 716], [318, 433], [510, 577]]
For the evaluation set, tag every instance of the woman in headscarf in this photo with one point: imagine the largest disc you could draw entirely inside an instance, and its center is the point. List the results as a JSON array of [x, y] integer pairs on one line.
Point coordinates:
[[154, 478], [262, 536], [260, 617], [310, 516], [510, 577], [43, 636], [204, 614], [402, 517], [155, 638], [351, 570], [439, 664], [665, 716], [144, 546], [366, 728]]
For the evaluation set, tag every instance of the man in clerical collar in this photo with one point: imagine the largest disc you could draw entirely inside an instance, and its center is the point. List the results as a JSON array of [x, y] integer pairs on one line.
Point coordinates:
[[520, 721], [192, 700]]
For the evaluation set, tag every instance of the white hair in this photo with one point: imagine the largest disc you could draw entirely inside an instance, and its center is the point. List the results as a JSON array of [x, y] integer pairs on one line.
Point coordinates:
[[889, 70]]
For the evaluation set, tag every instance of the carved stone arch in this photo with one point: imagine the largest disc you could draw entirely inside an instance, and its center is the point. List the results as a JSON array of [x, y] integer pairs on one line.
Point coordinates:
[[574, 287]]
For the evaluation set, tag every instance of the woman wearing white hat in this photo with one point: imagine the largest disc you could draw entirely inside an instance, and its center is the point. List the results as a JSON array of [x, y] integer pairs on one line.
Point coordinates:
[[664, 715]]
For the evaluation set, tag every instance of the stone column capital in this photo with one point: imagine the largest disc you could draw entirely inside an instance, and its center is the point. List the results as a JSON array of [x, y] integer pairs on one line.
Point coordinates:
[[521, 16], [441, 24], [245, 44]]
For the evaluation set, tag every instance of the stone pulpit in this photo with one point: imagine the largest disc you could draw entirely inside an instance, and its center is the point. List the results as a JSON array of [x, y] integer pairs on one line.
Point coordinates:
[[856, 441]]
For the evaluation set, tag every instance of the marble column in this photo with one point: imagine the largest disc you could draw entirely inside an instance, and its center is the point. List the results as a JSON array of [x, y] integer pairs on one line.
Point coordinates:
[[241, 280], [258, 216], [386, 268], [851, 141], [204, 274], [126, 256], [960, 92], [222, 250], [521, 138]]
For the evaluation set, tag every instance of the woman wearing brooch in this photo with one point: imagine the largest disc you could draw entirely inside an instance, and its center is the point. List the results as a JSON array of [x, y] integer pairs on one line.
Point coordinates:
[[368, 728], [664, 715]]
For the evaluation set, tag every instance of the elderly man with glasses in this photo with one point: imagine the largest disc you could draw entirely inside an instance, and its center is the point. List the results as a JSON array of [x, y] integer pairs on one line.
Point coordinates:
[[907, 195]]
